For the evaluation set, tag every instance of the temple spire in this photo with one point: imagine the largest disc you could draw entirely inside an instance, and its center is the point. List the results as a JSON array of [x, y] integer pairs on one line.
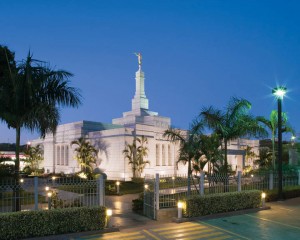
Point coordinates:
[[140, 100]]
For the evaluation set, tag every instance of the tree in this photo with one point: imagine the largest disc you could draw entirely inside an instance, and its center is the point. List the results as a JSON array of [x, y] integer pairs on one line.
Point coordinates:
[[189, 151], [272, 125], [86, 156], [232, 123], [30, 94], [34, 155], [136, 155], [264, 158]]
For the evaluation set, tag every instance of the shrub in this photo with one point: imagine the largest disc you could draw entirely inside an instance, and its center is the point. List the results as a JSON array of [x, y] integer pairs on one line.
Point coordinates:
[[19, 225], [138, 204], [218, 203], [288, 192]]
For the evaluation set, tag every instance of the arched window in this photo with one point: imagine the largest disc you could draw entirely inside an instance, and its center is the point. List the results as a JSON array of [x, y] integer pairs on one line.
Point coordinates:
[[163, 155], [169, 155], [62, 155], [58, 155], [157, 155], [67, 155]]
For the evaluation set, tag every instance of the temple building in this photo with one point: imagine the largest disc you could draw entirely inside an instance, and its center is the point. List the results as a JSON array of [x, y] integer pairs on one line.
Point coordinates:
[[111, 138]]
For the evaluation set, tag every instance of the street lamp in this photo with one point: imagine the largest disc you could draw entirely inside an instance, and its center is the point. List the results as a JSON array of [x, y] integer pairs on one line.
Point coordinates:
[[279, 93]]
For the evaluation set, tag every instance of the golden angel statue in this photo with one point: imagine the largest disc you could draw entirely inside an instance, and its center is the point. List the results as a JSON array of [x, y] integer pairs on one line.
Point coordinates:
[[139, 55]]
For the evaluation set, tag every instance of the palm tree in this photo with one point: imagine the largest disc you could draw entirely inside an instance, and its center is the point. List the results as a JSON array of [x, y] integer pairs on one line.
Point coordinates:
[[136, 154], [30, 95], [189, 151], [34, 155], [232, 123], [86, 155], [265, 158], [272, 125]]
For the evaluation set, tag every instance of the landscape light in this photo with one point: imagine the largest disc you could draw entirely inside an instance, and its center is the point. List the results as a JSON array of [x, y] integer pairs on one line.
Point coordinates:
[[47, 188], [117, 183], [146, 186], [108, 212], [179, 205], [49, 194], [21, 180], [263, 199]]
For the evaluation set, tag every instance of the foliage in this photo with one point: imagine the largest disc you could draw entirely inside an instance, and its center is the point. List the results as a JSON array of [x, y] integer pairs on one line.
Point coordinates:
[[232, 123], [288, 192], [34, 155], [30, 95], [138, 204], [219, 203], [264, 158], [57, 202], [86, 156], [51, 222], [189, 151], [136, 153], [6, 170], [272, 125]]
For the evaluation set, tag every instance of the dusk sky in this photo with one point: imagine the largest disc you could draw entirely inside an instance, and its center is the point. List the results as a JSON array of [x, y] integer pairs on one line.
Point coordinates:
[[195, 53]]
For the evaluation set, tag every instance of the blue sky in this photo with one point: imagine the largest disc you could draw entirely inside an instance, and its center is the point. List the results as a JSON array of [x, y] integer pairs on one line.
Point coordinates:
[[195, 53]]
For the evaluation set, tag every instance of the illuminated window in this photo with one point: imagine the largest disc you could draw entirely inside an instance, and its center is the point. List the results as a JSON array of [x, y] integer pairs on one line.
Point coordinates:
[[163, 155]]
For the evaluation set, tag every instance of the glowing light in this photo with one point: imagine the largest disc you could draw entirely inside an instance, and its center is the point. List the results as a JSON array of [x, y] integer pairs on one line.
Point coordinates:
[[279, 92], [117, 183], [47, 188], [252, 175], [108, 212], [21, 180], [263, 195], [53, 178], [180, 204], [293, 138], [49, 194], [146, 186]]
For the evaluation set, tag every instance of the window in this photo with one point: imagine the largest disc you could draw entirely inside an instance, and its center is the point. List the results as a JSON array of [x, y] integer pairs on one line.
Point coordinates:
[[62, 160], [67, 156], [58, 155], [163, 155], [169, 156], [157, 155]]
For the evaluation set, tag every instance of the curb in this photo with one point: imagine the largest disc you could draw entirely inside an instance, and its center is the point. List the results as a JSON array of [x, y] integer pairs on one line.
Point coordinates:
[[220, 215]]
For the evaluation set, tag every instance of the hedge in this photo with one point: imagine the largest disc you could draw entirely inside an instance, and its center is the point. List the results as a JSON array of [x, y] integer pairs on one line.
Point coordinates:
[[288, 192], [18, 225], [219, 203]]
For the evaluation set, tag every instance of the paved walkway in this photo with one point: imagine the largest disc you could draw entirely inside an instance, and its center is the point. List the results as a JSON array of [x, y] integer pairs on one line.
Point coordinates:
[[282, 221]]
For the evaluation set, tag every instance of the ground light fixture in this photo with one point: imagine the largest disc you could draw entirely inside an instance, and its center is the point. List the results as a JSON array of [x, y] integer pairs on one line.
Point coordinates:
[[279, 93], [21, 180], [179, 206], [49, 195], [47, 188], [263, 199], [118, 187], [108, 214], [146, 186]]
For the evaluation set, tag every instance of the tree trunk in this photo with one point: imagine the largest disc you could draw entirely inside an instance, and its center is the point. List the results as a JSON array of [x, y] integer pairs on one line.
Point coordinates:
[[273, 151], [226, 179], [17, 202], [189, 178]]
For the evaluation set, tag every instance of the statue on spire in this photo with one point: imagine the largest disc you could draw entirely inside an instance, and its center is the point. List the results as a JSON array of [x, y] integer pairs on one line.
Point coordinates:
[[139, 55]]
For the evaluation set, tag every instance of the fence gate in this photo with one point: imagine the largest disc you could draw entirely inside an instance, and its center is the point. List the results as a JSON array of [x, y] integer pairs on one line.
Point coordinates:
[[149, 197]]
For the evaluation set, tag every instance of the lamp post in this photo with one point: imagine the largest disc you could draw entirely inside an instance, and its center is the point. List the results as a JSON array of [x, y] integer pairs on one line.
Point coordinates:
[[279, 93]]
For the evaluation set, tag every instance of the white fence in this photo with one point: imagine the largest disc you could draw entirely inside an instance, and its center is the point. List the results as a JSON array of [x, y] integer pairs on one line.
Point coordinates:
[[46, 193]]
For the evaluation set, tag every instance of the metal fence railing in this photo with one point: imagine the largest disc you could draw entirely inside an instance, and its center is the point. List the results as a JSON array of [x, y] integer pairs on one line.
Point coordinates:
[[46, 193], [174, 188]]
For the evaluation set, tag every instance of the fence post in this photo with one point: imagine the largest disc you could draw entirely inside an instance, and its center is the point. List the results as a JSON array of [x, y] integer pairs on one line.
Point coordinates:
[[271, 181], [101, 190], [36, 193], [201, 183], [157, 190], [239, 181]]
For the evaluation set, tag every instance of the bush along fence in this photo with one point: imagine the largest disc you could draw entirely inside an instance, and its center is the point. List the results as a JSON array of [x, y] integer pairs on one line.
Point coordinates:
[[165, 191], [19, 225], [50, 193]]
